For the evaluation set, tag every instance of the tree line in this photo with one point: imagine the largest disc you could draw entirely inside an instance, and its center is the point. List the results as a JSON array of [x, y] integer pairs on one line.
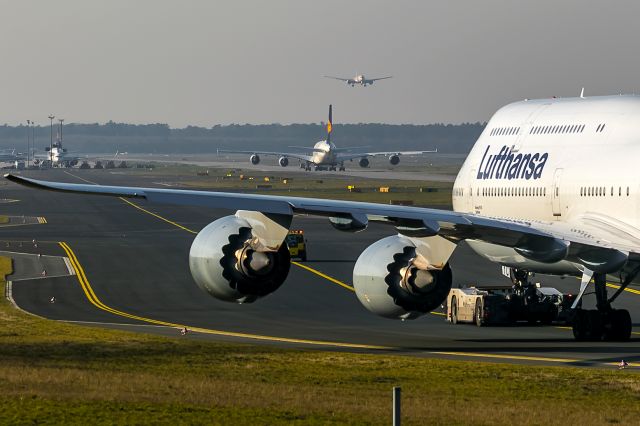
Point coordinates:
[[160, 138]]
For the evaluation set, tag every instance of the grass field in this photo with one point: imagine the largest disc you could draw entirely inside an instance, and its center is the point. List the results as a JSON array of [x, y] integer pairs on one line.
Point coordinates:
[[52, 373]]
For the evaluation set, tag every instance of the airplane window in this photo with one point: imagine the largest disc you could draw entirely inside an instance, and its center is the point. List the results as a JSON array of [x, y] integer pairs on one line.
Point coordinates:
[[582, 128], [619, 191], [627, 191], [544, 192], [589, 192], [602, 127], [612, 191], [581, 191]]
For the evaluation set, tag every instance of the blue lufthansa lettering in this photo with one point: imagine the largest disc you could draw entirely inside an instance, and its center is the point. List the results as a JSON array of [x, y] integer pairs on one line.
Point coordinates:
[[506, 165]]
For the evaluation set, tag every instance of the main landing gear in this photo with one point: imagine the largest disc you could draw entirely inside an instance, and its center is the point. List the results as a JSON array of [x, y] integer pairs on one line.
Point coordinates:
[[604, 322]]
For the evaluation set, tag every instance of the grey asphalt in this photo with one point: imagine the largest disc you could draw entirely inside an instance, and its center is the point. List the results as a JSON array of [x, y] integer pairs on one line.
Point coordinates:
[[138, 264]]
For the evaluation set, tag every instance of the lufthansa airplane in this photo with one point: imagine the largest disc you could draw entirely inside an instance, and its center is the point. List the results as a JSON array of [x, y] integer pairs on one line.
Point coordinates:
[[325, 155], [358, 79], [551, 186]]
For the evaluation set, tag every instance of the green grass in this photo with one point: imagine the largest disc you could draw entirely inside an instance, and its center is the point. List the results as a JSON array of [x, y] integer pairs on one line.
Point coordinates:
[[54, 372]]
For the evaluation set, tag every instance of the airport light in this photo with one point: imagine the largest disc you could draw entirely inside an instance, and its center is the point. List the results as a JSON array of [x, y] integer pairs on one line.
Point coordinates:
[[28, 128], [51, 117], [33, 140], [61, 120]]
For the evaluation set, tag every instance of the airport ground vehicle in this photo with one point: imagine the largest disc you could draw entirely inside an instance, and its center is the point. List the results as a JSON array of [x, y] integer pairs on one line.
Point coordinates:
[[507, 305], [297, 244]]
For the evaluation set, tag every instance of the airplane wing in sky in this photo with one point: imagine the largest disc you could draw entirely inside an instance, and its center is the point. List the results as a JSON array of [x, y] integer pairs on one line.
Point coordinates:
[[337, 78]]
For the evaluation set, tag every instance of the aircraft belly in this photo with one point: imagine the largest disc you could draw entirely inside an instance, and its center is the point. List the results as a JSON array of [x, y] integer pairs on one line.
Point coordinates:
[[509, 257]]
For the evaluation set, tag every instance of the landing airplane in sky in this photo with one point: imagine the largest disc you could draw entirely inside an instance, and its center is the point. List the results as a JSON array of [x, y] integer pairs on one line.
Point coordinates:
[[325, 155], [358, 79], [551, 186]]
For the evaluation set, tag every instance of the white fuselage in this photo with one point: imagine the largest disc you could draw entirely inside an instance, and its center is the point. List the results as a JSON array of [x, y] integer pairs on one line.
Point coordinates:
[[555, 160], [324, 154]]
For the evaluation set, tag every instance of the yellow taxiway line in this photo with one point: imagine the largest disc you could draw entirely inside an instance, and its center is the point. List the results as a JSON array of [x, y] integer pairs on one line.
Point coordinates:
[[93, 298]]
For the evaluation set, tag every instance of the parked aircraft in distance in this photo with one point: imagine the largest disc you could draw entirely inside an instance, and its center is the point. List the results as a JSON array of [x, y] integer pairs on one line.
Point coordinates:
[[550, 187], [325, 155], [358, 79], [10, 155], [56, 156]]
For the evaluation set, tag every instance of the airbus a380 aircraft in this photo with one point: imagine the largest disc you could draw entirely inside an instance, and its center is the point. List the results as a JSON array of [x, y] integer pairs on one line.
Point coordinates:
[[325, 155], [551, 186]]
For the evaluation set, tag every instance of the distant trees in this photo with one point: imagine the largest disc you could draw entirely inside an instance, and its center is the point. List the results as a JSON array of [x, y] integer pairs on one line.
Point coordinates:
[[159, 137]]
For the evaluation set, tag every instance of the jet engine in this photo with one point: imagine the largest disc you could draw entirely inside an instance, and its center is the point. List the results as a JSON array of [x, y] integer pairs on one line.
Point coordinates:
[[392, 280], [255, 159], [394, 160], [225, 264], [284, 161], [364, 162]]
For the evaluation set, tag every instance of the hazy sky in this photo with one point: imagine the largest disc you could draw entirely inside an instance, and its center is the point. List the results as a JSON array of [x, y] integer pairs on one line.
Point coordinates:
[[219, 62]]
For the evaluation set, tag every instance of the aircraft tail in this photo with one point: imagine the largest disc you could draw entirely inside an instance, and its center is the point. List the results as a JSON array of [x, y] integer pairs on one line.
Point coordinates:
[[329, 126]]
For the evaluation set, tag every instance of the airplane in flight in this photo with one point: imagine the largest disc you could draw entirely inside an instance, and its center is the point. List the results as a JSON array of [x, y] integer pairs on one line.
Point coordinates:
[[550, 187], [358, 79], [325, 155]]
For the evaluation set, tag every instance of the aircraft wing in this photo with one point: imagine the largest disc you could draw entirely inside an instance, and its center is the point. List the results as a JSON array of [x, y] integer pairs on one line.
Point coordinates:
[[337, 78], [275, 154], [379, 78], [545, 242], [351, 156]]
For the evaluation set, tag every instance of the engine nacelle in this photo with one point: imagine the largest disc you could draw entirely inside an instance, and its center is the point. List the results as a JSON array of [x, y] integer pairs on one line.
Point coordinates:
[[284, 161], [393, 281], [364, 162], [224, 263], [255, 159], [394, 159]]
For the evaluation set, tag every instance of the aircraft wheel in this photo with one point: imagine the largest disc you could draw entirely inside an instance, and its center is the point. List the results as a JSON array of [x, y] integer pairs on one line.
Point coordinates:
[[618, 327], [478, 313], [580, 325], [454, 311]]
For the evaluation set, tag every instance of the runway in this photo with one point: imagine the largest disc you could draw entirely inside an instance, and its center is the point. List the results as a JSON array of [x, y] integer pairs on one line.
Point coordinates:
[[379, 169], [135, 267]]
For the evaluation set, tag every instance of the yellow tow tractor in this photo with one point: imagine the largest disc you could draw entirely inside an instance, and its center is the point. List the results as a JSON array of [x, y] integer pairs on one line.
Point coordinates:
[[297, 244]]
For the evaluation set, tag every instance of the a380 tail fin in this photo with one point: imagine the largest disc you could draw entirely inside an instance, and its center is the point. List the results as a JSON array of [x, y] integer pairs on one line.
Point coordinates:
[[329, 126]]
